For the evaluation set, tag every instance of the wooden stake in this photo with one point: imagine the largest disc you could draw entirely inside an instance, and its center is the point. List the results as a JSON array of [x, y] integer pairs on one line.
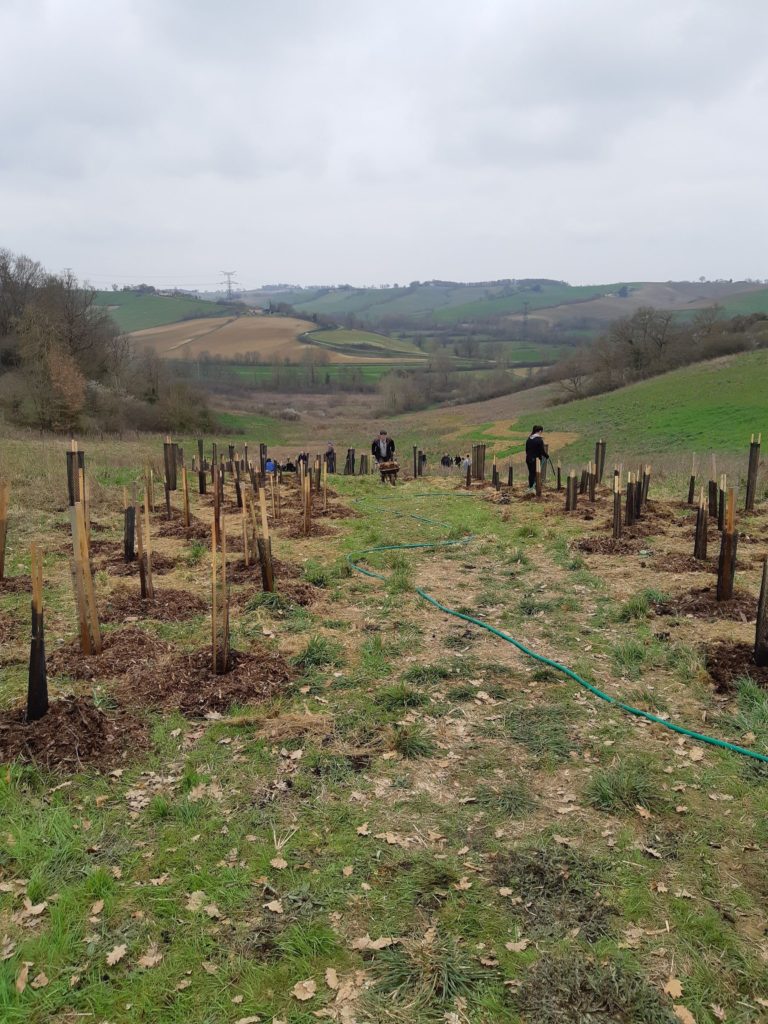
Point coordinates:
[[325, 486], [37, 684], [761, 629], [754, 464], [4, 495], [148, 550], [538, 478], [214, 602], [726, 569], [702, 524], [129, 528], [185, 493], [616, 506], [692, 481]]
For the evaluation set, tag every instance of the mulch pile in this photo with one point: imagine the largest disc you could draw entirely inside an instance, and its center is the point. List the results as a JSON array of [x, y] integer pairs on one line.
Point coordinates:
[[728, 661], [295, 530], [337, 512], [597, 545], [115, 564], [674, 562], [187, 683], [169, 605], [298, 592], [73, 734], [702, 603], [174, 527], [122, 650], [15, 585]]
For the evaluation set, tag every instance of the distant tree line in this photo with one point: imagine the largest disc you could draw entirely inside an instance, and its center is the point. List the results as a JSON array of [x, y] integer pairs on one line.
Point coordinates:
[[653, 341], [66, 366]]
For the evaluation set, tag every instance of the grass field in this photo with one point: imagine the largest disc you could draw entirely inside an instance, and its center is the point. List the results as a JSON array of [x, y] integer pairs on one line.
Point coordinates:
[[139, 312], [712, 406], [363, 343], [418, 825]]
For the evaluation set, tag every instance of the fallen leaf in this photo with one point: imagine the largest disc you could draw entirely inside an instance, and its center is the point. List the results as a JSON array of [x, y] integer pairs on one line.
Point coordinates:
[[185, 983], [505, 891], [643, 812], [366, 942], [363, 830], [151, 958], [682, 1012], [717, 1011], [487, 961], [673, 988], [347, 871], [196, 900], [237, 1000], [40, 981], [21, 977], [697, 754], [275, 906], [517, 947], [116, 955], [331, 978], [463, 884], [248, 1020], [97, 908], [213, 911], [279, 863], [304, 990], [208, 967]]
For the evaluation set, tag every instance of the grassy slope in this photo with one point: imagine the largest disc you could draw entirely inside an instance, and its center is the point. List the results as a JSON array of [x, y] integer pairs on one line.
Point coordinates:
[[510, 800], [712, 406], [365, 340], [709, 406], [140, 312]]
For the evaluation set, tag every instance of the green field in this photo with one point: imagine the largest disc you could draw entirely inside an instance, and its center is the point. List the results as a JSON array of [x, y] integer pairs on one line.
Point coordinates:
[[134, 312], [361, 342], [712, 406]]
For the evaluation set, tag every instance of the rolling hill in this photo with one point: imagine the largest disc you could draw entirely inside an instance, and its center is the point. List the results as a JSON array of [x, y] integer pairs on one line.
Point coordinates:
[[134, 312], [455, 304], [272, 339]]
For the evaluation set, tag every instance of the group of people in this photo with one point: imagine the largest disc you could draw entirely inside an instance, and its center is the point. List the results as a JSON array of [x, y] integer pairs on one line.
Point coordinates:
[[383, 451]]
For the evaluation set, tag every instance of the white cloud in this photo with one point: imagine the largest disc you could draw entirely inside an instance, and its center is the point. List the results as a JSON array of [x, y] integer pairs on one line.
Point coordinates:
[[339, 140]]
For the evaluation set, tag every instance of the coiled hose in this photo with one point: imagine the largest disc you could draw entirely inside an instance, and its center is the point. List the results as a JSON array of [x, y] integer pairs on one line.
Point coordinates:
[[355, 556]]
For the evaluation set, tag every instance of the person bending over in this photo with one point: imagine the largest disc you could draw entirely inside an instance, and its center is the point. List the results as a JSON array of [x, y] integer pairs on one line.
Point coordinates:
[[534, 449]]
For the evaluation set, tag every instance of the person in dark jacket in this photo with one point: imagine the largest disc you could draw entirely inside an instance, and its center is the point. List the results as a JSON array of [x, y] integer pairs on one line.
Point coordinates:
[[534, 449], [383, 447]]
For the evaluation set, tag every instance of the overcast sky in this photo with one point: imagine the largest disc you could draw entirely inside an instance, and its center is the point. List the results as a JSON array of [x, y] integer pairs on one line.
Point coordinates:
[[351, 141]]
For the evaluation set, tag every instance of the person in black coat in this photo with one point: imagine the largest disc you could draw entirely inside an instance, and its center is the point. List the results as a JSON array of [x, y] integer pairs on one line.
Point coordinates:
[[383, 447], [534, 449]]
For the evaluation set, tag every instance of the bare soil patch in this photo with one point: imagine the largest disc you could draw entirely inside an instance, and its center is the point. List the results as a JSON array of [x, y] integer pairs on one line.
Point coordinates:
[[672, 561], [15, 585], [702, 603], [169, 605], [122, 650], [116, 565], [295, 530], [728, 661], [186, 682], [74, 734]]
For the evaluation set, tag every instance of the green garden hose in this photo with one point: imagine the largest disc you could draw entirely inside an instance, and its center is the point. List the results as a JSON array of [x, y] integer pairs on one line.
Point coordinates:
[[353, 559]]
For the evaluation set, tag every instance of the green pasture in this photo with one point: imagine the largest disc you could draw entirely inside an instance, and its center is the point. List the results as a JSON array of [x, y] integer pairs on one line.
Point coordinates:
[[713, 406], [140, 312], [343, 339]]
